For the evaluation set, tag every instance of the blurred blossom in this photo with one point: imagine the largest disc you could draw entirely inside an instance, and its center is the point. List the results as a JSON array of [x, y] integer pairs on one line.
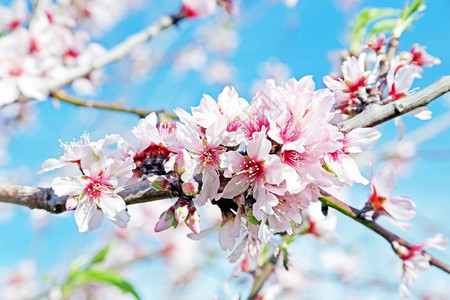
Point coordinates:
[[21, 283], [219, 72], [191, 58]]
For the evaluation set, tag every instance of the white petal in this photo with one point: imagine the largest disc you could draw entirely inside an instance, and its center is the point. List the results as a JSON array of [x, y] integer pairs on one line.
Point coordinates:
[[259, 147], [51, 164], [237, 185], [114, 209], [361, 139], [33, 87], [96, 220], [422, 113], [400, 208], [9, 92], [70, 186], [210, 185], [83, 214]]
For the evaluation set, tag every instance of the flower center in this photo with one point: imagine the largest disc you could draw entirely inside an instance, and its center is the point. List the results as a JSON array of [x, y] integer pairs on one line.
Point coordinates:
[[254, 169], [210, 156], [376, 201], [96, 186]]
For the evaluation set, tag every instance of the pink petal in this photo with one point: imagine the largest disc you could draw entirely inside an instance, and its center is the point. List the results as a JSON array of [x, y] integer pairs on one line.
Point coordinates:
[[237, 185]]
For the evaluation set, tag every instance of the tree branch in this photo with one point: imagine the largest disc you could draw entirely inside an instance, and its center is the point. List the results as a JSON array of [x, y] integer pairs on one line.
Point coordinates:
[[375, 114], [355, 214], [117, 52], [65, 97], [45, 198], [264, 272]]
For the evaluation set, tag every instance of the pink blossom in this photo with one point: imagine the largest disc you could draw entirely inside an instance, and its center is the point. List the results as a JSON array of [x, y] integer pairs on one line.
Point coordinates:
[[73, 151], [376, 43], [419, 57], [12, 18], [400, 79], [355, 141], [354, 78], [20, 72], [416, 260], [198, 8], [205, 150], [380, 203], [97, 187], [254, 171]]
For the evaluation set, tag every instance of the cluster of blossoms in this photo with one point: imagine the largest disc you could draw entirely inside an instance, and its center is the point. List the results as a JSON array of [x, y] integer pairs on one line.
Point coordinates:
[[263, 164], [40, 45], [363, 80], [260, 163]]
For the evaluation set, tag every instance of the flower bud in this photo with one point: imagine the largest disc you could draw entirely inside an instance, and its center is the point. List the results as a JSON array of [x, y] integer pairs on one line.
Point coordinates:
[[166, 220], [183, 161], [190, 188], [193, 220], [159, 183], [181, 210]]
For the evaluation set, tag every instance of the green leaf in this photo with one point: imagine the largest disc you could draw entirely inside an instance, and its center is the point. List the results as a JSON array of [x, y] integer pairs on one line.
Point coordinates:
[[253, 220], [105, 276], [367, 17], [383, 26], [416, 6], [100, 256]]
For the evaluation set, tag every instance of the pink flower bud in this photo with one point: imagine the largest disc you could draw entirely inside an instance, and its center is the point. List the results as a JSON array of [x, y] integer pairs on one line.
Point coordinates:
[[183, 161], [158, 183], [181, 210], [193, 220], [190, 188], [166, 220]]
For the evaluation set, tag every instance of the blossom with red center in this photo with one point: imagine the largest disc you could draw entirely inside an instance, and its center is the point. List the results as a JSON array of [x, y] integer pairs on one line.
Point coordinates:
[[381, 203], [97, 187], [400, 79], [376, 43], [339, 161], [354, 79], [415, 260], [256, 171], [204, 146], [419, 57], [255, 122], [198, 8]]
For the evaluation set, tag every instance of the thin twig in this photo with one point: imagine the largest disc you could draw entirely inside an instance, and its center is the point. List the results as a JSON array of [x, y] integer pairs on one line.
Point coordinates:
[[375, 114], [263, 274], [355, 214], [65, 97]]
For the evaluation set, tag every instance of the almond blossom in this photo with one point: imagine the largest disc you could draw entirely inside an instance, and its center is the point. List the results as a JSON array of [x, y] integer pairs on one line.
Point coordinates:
[[255, 171], [354, 79], [97, 187], [416, 260], [419, 57], [355, 141], [399, 80], [73, 151], [198, 8], [381, 203]]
